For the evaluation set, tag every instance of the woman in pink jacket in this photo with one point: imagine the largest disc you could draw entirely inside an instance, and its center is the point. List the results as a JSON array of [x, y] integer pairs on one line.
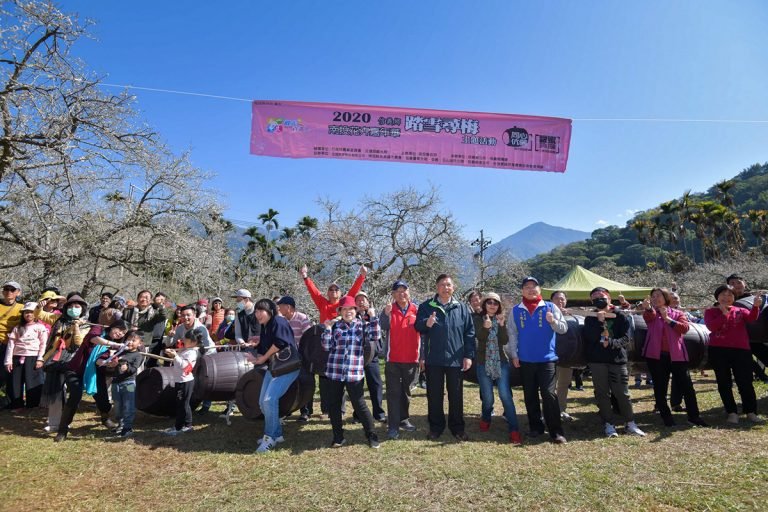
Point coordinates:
[[729, 351], [666, 355], [24, 359]]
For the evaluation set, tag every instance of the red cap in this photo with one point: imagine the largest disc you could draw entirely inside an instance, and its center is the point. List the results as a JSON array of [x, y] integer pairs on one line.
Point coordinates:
[[346, 302]]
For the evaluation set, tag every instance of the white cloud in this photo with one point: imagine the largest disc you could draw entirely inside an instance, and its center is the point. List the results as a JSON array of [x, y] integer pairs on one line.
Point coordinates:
[[602, 222], [627, 213]]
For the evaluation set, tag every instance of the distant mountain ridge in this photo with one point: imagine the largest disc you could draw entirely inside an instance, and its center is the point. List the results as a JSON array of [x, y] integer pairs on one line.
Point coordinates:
[[535, 239]]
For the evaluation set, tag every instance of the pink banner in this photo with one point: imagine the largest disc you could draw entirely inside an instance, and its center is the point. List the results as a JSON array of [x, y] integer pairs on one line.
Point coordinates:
[[407, 135]]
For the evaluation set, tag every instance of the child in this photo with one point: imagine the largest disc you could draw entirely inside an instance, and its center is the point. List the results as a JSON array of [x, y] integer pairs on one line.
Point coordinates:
[[24, 359], [126, 363], [184, 361]]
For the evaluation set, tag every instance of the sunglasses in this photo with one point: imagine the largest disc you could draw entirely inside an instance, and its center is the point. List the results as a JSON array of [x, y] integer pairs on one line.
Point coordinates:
[[492, 302], [8, 289]]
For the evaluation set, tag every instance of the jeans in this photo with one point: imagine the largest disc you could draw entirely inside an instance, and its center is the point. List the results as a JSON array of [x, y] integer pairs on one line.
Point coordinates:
[[505, 395], [124, 396], [272, 389]]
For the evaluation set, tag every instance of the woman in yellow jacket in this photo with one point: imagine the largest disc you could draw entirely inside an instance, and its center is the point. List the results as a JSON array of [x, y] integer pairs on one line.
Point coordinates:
[[67, 333]]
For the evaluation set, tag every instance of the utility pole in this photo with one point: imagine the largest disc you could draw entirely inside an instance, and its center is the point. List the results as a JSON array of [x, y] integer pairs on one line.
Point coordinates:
[[482, 243]]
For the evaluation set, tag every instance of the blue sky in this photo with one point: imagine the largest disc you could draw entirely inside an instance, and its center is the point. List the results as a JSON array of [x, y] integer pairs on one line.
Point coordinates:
[[582, 60]]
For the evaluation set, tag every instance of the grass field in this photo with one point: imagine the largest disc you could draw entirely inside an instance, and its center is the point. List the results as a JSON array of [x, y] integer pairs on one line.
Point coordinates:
[[215, 467]]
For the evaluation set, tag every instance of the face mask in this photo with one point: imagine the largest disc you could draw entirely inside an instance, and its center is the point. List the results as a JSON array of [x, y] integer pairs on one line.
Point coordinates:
[[230, 318], [74, 312], [600, 303], [240, 306]]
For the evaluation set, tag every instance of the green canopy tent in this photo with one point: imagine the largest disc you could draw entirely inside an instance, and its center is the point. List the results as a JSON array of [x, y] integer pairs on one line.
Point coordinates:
[[579, 282]]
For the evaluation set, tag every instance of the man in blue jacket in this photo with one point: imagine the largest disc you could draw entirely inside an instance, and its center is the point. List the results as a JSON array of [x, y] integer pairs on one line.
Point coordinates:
[[532, 327], [448, 347]]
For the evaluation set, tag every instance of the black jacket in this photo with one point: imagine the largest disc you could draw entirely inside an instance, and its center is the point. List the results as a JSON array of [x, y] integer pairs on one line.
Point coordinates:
[[618, 329]]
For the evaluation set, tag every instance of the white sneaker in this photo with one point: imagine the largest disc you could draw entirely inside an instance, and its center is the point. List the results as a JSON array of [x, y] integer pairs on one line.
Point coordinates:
[[732, 418], [564, 416], [610, 431], [267, 443], [754, 418], [185, 430], [171, 431], [277, 440], [633, 429]]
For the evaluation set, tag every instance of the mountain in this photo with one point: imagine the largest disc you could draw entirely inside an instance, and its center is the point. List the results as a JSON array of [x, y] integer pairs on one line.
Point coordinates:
[[535, 239]]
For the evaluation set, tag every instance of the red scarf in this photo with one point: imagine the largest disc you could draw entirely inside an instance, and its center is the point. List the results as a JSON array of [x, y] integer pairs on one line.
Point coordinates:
[[531, 305]]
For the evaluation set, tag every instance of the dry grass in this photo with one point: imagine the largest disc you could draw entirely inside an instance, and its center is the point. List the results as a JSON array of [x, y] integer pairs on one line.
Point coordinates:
[[215, 467]]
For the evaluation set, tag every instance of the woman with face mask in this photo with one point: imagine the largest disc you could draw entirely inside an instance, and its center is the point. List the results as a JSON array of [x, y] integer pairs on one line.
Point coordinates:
[[81, 374], [67, 333], [226, 331]]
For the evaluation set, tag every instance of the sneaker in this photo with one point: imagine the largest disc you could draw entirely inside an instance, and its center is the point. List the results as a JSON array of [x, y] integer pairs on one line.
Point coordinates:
[[564, 416], [632, 428], [107, 422], [515, 438], [423, 385], [433, 436], [485, 426], [338, 443], [171, 431], [559, 439], [267, 443], [381, 418], [61, 436], [303, 418], [610, 431], [678, 408], [394, 435], [732, 418], [50, 429], [277, 440], [461, 437], [202, 411], [754, 418], [669, 421], [407, 426], [697, 422], [125, 434], [373, 440]]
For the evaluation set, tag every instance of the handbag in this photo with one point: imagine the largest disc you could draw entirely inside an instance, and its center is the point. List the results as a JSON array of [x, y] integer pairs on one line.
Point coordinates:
[[285, 361], [58, 361]]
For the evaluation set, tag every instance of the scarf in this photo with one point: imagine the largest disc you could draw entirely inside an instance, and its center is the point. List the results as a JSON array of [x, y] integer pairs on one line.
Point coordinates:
[[492, 358], [531, 305]]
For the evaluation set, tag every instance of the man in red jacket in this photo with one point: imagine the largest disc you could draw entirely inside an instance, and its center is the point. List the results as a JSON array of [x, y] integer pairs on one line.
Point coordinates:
[[327, 305], [402, 351]]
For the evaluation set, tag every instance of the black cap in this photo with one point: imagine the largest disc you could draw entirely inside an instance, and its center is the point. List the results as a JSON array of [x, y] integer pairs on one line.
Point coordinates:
[[528, 279], [287, 300], [734, 276], [399, 283]]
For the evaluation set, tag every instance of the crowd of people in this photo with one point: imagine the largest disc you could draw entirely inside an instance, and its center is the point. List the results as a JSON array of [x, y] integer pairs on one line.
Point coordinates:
[[57, 348]]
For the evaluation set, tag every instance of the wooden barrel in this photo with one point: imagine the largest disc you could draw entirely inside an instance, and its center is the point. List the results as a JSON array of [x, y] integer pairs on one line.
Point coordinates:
[[570, 346], [216, 375], [248, 390], [696, 341], [758, 330], [155, 392]]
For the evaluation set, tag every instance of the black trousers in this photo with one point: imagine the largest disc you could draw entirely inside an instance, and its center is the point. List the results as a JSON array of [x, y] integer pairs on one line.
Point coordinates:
[[540, 379], [760, 351], [74, 383], [323, 385], [661, 370], [675, 395], [400, 378], [440, 378], [183, 409], [156, 347], [375, 387], [739, 362], [25, 377], [334, 390]]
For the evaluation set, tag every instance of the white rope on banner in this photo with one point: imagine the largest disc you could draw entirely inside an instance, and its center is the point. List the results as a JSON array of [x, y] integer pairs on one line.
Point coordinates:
[[584, 119]]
